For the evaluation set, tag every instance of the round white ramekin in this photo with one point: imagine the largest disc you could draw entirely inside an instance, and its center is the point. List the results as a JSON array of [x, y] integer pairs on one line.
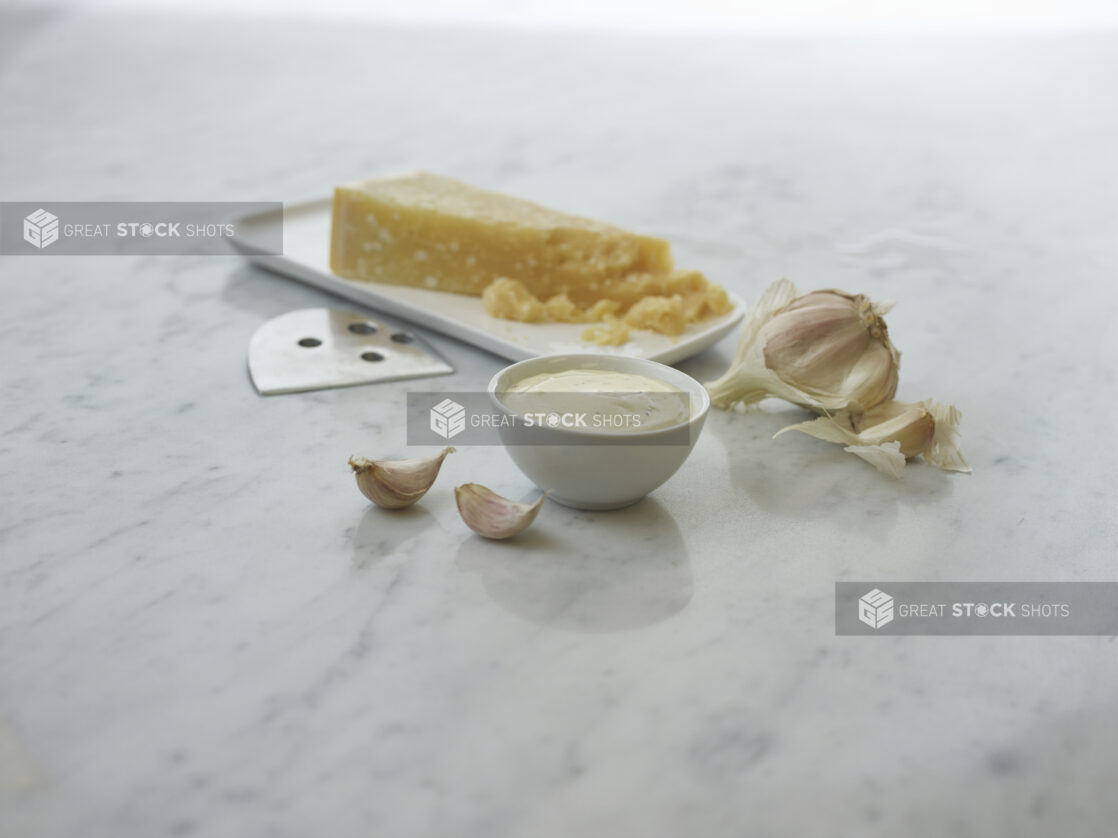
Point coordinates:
[[594, 469]]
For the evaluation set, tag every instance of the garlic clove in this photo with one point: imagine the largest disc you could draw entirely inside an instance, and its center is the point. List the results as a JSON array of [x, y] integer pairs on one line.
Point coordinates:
[[826, 350], [918, 429], [910, 426], [394, 484], [492, 516]]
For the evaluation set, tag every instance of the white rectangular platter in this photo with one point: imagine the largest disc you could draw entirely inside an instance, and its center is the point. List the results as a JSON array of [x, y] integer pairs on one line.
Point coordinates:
[[306, 257]]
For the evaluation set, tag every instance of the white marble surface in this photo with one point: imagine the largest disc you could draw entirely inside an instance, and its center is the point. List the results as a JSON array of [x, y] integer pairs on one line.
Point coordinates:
[[204, 630]]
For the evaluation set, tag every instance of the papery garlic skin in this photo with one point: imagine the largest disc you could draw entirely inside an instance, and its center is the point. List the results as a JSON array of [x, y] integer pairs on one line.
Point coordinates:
[[827, 350], [492, 516], [886, 457], [943, 451], [395, 484], [892, 432]]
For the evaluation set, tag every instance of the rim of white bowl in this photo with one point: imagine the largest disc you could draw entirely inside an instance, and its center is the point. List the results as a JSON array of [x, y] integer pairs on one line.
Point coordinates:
[[655, 366]]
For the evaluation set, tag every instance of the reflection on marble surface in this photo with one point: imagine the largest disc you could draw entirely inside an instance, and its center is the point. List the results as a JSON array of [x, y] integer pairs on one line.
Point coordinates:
[[822, 491], [204, 628], [588, 572]]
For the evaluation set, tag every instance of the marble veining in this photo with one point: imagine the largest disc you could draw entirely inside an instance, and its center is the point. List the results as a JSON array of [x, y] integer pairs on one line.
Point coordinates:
[[205, 630]]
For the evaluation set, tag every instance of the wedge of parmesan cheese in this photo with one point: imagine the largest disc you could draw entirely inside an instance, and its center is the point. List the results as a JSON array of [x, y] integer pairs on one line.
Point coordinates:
[[527, 262]]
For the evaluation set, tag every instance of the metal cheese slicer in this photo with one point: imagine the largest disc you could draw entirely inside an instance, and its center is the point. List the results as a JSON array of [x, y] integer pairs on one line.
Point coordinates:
[[322, 348]]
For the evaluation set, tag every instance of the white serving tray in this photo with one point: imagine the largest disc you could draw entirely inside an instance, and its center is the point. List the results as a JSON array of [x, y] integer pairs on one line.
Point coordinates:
[[306, 257]]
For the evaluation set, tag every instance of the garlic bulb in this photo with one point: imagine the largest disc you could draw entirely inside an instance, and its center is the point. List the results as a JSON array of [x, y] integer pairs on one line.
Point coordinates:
[[395, 484], [827, 350], [888, 435], [490, 515]]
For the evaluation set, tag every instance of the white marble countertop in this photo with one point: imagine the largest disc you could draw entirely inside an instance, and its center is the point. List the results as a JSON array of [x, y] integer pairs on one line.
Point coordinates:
[[205, 630]]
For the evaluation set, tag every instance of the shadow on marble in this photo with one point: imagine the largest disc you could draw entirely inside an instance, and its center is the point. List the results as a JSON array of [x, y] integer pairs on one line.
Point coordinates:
[[710, 363], [269, 294], [380, 532], [594, 572], [803, 478]]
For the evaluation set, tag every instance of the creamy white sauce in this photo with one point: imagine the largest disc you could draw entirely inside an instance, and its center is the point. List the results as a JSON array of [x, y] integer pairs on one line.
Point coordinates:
[[608, 401], [591, 381]]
